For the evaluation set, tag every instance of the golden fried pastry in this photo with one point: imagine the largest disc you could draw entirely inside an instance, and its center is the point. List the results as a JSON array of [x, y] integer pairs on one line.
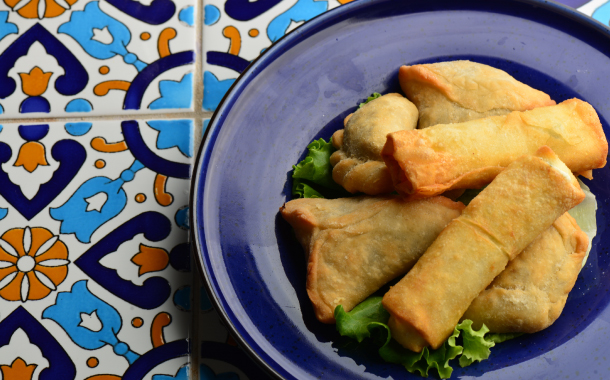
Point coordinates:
[[431, 161], [356, 245], [522, 201], [457, 91], [531, 292], [357, 164]]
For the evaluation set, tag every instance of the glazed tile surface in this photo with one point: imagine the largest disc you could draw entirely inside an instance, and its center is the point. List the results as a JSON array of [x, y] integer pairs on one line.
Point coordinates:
[[236, 32], [95, 267], [95, 273], [61, 57]]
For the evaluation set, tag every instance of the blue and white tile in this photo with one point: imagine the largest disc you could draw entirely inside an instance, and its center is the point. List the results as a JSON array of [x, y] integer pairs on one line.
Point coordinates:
[[83, 57], [94, 253], [235, 32]]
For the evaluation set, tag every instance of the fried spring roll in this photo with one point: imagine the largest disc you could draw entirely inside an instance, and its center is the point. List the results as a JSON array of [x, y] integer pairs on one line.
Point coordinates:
[[531, 292], [457, 91], [524, 200], [357, 164], [356, 245], [427, 162]]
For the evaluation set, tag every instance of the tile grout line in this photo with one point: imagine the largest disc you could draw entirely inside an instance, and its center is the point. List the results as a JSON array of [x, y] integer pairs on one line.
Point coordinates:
[[138, 116], [199, 116], [198, 75]]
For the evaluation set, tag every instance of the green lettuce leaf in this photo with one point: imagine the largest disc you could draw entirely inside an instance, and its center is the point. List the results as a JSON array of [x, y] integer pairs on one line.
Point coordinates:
[[313, 176], [501, 337], [303, 190], [316, 165], [359, 320], [369, 320], [370, 98], [425, 360], [476, 347]]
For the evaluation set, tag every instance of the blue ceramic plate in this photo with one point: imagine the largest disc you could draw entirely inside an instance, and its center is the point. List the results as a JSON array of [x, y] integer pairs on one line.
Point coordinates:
[[300, 90]]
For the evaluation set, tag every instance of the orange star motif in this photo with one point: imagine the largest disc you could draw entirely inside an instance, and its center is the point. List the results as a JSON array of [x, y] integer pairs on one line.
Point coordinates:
[[18, 370]]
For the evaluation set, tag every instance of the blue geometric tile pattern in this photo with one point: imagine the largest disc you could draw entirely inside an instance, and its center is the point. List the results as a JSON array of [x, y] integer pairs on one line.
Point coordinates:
[[60, 57], [96, 273], [91, 253], [237, 31]]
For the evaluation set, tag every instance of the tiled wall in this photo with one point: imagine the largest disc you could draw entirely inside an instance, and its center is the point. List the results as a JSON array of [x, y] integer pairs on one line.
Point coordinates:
[[102, 105]]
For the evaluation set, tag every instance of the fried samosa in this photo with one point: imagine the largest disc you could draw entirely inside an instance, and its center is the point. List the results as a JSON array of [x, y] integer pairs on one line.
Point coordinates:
[[457, 91], [431, 161], [529, 295], [522, 201], [357, 164], [356, 245]]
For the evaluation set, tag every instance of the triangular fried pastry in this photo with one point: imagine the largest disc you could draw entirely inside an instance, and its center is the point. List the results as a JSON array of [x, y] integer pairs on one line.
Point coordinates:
[[356, 245], [457, 91]]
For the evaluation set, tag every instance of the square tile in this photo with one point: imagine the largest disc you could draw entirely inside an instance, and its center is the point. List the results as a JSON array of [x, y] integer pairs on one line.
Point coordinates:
[[235, 32], [76, 57], [95, 266]]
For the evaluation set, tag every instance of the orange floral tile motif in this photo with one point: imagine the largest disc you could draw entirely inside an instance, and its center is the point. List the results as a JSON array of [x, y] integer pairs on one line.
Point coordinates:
[[33, 262], [40, 8], [150, 259], [31, 155], [35, 82], [18, 370]]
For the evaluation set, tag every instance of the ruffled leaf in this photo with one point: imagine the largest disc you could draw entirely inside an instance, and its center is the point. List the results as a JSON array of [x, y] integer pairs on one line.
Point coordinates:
[[476, 347], [425, 360], [501, 337], [369, 320]]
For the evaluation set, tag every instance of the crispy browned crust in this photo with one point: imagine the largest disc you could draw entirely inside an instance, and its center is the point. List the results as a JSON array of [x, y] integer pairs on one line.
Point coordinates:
[[457, 91], [591, 119], [427, 162], [355, 245], [530, 294], [524, 200]]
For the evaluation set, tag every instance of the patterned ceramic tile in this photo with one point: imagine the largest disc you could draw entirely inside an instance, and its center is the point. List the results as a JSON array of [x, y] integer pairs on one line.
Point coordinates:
[[95, 271], [205, 126], [237, 31], [58, 57], [598, 9]]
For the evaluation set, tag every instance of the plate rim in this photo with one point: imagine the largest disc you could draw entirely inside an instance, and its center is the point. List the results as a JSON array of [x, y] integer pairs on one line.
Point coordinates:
[[201, 162]]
